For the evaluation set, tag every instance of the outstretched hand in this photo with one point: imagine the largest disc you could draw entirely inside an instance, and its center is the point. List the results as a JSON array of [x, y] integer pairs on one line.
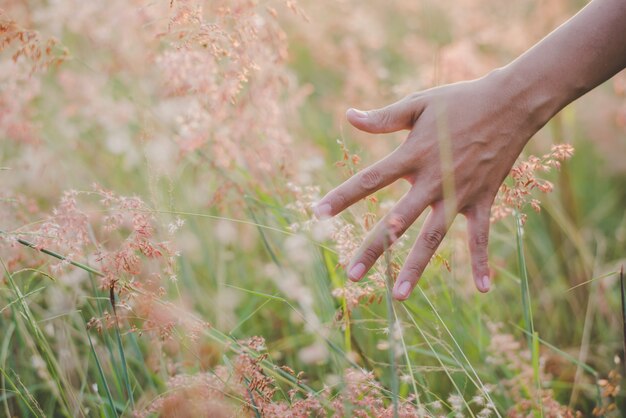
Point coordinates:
[[463, 141]]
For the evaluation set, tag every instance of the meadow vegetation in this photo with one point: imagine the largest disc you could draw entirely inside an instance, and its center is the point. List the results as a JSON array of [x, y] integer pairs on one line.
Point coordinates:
[[159, 162]]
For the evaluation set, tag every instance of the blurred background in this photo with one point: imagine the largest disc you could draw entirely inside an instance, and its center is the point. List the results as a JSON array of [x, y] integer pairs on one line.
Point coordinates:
[[176, 148]]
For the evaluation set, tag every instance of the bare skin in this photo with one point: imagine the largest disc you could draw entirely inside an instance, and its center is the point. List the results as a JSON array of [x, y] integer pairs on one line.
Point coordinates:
[[464, 138]]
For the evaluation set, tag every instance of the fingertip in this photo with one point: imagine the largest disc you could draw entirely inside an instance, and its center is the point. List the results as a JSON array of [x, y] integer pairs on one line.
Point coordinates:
[[356, 272], [478, 239], [357, 118], [402, 290], [322, 211], [356, 113], [483, 284]]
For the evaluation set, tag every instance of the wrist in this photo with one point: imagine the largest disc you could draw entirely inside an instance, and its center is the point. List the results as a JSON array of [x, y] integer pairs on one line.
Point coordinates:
[[527, 99], [541, 97]]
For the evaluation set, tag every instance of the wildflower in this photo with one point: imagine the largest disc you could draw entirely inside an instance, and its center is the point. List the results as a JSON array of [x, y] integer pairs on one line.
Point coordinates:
[[512, 198], [505, 351]]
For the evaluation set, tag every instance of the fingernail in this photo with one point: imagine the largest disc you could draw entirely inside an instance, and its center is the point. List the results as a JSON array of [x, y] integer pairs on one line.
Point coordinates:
[[402, 291], [486, 283], [322, 211], [356, 272], [359, 113]]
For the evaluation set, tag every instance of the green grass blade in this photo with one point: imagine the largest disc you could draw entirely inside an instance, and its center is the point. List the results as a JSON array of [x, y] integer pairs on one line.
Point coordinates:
[[525, 290], [623, 294], [436, 355], [62, 386], [531, 336], [474, 377], [120, 349], [56, 255], [6, 339], [23, 393], [336, 281], [102, 377], [391, 322], [536, 370]]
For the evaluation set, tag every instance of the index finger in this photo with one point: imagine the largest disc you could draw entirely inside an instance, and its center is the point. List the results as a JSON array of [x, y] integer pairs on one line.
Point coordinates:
[[362, 184]]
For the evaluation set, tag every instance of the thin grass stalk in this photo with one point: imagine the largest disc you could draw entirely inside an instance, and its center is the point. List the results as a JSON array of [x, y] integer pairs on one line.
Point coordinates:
[[536, 370], [524, 287], [408, 364], [527, 307], [391, 321], [238, 221], [3, 357], [623, 294], [106, 336], [23, 393], [43, 347], [573, 360], [347, 332], [56, 255], [330, 344], [277, 372], [102, 377], [26, 295], [257, 414], [120, 349], [475, 379], [276, 261], [593, 279], [585, 343], [436, 355], [21, 408]]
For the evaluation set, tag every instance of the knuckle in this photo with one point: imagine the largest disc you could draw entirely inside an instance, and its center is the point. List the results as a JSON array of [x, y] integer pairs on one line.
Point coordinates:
[[413, 270], [431, 239], [370, 179], [414, 101], [404, 158], [370, 255], [482, 260], [339, 201], [396, 225], [383, 117], [481, 239]]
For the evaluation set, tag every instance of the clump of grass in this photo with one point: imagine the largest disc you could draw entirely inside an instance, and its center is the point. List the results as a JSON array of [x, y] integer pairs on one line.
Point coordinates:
[[208, 125]]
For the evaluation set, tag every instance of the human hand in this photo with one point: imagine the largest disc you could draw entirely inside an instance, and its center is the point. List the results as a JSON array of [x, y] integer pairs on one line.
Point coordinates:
[[463, 141]]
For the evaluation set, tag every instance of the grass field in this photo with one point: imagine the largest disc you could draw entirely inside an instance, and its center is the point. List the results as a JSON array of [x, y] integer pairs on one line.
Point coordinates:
[[159, 253]]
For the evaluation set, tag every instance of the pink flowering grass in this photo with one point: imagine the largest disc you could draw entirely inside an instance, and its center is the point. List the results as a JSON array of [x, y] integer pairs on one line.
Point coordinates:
[[159, 162]]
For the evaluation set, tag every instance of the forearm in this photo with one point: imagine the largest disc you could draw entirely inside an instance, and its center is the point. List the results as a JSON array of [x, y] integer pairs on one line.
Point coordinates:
[[576, 57]]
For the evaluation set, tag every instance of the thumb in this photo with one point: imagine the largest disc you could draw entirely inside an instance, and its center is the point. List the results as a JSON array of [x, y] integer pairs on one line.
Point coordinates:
[[395, 117]]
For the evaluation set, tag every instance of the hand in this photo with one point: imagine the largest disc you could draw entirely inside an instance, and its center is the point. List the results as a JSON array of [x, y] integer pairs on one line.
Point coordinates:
[[463, 141]]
